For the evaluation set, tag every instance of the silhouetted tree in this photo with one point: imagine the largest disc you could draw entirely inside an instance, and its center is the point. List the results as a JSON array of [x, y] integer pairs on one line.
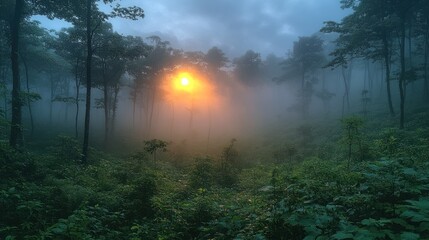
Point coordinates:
[[248, 67], [306, 58]]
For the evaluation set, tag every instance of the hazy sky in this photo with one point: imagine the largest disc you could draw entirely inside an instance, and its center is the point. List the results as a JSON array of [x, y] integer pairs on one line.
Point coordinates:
[[235, 26]]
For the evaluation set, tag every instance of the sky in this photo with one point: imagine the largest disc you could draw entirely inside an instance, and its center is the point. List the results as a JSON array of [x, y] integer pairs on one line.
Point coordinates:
[[235, 26]]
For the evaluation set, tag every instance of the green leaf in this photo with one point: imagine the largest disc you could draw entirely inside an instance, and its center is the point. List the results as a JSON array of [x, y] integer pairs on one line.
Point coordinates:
[[409, 236], [342, 235], [409, 171]]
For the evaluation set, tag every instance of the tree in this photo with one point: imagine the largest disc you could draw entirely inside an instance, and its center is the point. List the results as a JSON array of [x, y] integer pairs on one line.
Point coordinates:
[[90, 20], [160, 60], [369, 33], [14, 19], [137, 69], [152, 147], [248, 67], [35, 55], [352, 136], [272, 67], [70, 45], [109, 66], [423, 30], [306, 58], [215, 59]]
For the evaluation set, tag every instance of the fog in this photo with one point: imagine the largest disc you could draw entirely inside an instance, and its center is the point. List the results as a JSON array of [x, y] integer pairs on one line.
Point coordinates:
[[250, 77], [222, 119]]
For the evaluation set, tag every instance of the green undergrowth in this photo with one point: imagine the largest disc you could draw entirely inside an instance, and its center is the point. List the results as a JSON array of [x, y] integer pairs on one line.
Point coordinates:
[[367, 183]]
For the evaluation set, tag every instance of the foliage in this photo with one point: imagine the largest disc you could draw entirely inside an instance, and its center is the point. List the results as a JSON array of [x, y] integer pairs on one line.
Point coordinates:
[[152, 146], [67, 149], [90, 222], [352, 136], [202, 175], [50, 195], [228, 168]]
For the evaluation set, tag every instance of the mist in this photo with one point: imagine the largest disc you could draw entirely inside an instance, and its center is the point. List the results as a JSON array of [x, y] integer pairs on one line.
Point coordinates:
[[214, 119]]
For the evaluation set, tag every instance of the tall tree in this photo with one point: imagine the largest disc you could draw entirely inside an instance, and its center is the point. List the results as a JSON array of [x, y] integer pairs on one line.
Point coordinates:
[[216, 59], [137, 69], [306, 58], [248, 67], [70, 45], [15, 19], [370, 32], [423, 30], [89, 17]]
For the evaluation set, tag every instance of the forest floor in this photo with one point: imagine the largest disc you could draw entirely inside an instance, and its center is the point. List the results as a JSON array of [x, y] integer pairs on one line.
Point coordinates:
[[359, 178]]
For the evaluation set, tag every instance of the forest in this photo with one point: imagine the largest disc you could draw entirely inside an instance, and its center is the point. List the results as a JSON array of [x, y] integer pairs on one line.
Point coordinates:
[[105, 135]]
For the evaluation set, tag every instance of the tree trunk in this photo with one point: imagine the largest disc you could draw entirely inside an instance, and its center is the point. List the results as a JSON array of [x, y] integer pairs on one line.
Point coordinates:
[[114, 108], [67, 94], [77, 84], [402, 76], [88, 82], [28, 99], [16, 128], [386, 57], [106, 106], [425, 64], [134, 98], [151, 111], [346, 90], [51, 100]]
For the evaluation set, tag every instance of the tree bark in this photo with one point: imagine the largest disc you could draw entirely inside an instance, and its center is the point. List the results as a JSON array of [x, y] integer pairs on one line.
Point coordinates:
[[425, 64], [114, 108], [16, 126], [88, 82], [386, 57], [77, 84], [106, 106], [402, 76], [28, 99], [346, 89]]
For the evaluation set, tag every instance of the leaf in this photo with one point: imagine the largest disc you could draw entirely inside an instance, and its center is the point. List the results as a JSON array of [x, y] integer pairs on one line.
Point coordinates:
[[342, 235], [422, 203], [409, 171], [409, 236], [415, 217]]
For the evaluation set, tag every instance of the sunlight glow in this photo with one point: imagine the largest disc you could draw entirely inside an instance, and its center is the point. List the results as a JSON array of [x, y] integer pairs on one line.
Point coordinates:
[[189, 88], [184, 81]]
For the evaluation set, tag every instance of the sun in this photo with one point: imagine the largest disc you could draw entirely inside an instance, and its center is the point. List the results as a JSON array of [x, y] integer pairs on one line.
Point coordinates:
[[184, 81]]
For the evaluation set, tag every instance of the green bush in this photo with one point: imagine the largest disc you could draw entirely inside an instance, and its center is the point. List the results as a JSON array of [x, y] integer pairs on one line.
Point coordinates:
[[202, 174]]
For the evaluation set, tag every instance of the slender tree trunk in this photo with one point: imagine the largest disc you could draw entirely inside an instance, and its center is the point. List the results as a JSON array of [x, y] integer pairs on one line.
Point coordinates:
[[402, 76], [151, 111], [88, 82], [4, 94], [386, 57], [134, 97], [114, 108], [346, 90], [425, 64], [51, 100], [66, 114], [16, 124], [106, 106], [28, 99], [77, 84]]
